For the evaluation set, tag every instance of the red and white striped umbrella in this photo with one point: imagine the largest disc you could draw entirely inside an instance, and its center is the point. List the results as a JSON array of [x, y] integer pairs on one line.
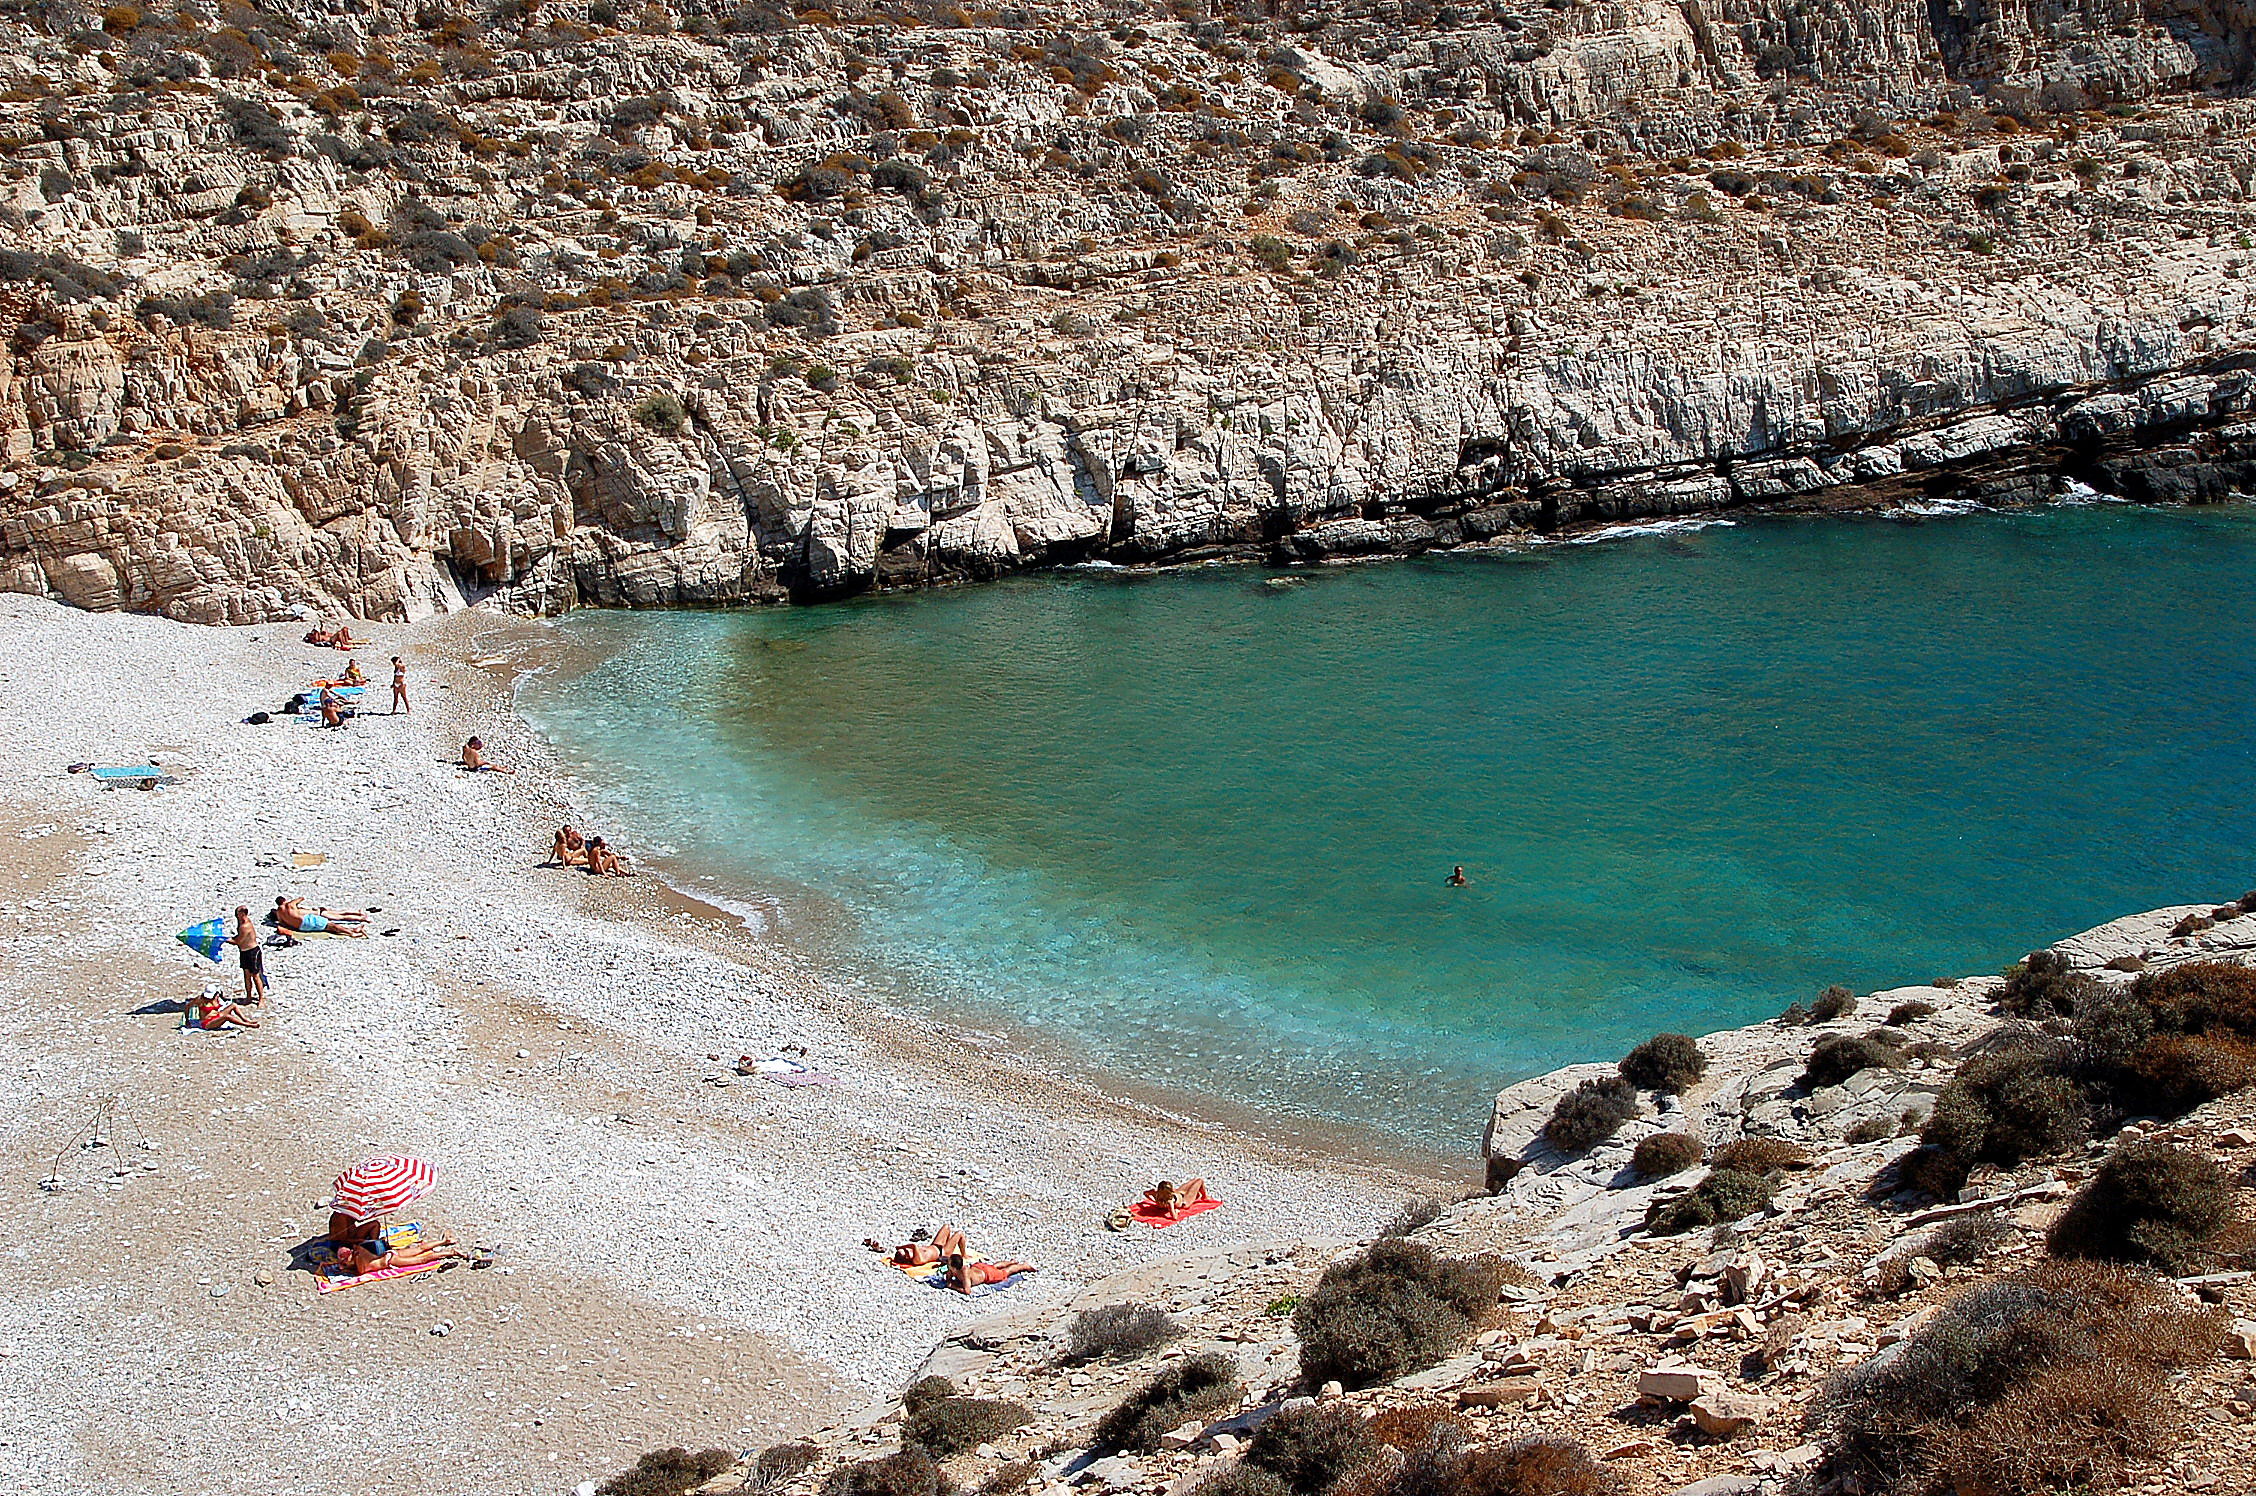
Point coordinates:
[[380, 1186]]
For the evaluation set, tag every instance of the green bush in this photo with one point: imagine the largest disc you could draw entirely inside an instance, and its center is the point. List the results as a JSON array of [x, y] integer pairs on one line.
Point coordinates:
[[1591, 1113], [2018, 1102], [1395, 1308], [663, 413], [1724, 1195], [1119, 1332], [1665, 1062], [1836, 1057], [2053, 1378], [1664, 1153], [1309, 1449], [951, 1425], [1203, 1386], [668, 1472], [2150, 1203]]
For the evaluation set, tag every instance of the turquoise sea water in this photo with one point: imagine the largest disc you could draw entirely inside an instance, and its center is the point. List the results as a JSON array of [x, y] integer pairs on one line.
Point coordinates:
[[1195, 826]]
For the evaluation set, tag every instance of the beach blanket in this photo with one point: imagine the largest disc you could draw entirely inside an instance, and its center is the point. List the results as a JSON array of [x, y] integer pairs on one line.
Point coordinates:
[[1159, 1220], [935, 1275], [128, 771], [337, 688], [329, 1275]]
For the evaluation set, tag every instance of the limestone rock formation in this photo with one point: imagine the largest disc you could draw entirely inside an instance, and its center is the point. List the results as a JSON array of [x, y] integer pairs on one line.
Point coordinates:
[[321, 310]]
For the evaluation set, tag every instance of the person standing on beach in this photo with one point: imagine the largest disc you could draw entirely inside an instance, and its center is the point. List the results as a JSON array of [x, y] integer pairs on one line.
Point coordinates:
[[253, 960], [399, 687]]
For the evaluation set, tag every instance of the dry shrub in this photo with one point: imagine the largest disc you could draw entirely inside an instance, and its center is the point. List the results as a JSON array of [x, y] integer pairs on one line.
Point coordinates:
[[2042, 986], [1836, 1057], [1591, 1113], [1416, 1427], [1932, 1170], [1415, 1213], [784, 1462], [2201, 997], [1911, 1012], [1310, 1449], [2150, 1202], [2179, 1073], [909, 1473], [1010, 1477], [1665, 1153], [1834, 1002], [1981, 1401], [925, 1391], [1665, 1062], [1759, 1155], [1239, 1479], [951, 1425], [1119, 1332], [1724, 1195], [1529, 1467], [1966, 1239], [1199, 1387], [668, 1472], [1870, 1130], [1396, 1308], [2013, 1104]]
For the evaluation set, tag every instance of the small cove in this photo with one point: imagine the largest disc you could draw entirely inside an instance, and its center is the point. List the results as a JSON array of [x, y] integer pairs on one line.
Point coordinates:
[[1194, 826]]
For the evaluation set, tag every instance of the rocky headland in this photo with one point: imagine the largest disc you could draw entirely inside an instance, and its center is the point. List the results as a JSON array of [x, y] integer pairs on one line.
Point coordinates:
[[375, 311]]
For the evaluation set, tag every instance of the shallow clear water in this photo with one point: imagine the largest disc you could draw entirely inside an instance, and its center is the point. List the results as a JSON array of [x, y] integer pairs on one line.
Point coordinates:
[[1196, 825]]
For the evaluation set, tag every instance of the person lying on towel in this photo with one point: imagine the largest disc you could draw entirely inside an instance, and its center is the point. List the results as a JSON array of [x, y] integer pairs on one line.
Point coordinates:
[[1168, 1198], [293, 914], [361, 1247], [918, 1252], [964, 1274]]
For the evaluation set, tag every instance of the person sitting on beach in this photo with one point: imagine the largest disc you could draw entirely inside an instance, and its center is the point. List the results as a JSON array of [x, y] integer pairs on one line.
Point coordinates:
[[353, 675], [292, 914], [570, 849], [332, 708], [361, 1247], [948, 1241], [210, 1011], [474, 759], [964, 1274], [317, 635], [1168, 1198], [605, 863]]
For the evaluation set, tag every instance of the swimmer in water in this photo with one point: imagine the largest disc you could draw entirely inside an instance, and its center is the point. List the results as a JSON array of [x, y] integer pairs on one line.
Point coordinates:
[[1456, 877]]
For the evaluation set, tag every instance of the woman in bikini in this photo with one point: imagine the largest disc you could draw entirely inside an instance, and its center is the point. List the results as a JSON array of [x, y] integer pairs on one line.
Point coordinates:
[[1168, 1198], [946, 1242], [353, 675], [964, 1275], [211, 1012], [474, 759], [570, 849], [603, 862]]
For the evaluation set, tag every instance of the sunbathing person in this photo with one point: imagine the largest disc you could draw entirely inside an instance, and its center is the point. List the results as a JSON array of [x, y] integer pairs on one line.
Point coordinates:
[[570, 849], [1168, 1198], [361, 1246], [353, 675], [211, 1012], [293, 914], [605, 863], [474, 759], [964, 1275], [946, 1242]]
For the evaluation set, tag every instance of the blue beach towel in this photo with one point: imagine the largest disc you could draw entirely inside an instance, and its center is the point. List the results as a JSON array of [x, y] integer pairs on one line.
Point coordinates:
[[129, 771]]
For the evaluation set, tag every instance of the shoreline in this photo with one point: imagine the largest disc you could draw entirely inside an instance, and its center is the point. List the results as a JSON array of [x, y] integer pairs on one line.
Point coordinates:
[[549, 1042]]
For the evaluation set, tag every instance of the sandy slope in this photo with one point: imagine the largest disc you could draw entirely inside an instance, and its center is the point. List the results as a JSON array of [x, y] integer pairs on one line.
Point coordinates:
[[681, 1260]]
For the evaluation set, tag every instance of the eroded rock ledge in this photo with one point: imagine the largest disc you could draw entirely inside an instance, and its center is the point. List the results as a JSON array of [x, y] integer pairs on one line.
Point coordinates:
[[382, 312]]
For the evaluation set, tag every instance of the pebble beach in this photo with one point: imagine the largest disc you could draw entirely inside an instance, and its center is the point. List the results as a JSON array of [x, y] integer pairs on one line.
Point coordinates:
[[679, 1255]]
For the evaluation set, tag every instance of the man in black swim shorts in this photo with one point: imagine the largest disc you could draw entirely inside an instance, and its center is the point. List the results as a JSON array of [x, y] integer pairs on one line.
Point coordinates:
[[247, 952]]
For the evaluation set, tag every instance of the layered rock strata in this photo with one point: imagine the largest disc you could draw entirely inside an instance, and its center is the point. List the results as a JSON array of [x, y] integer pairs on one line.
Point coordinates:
[[384, 311]]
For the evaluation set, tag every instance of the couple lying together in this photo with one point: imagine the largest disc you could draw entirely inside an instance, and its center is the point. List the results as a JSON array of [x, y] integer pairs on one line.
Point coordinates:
[[593, 853], [360, 1248], [948, 1246]]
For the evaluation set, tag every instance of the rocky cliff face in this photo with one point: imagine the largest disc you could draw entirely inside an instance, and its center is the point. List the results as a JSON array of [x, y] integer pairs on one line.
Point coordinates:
[[323, 309]]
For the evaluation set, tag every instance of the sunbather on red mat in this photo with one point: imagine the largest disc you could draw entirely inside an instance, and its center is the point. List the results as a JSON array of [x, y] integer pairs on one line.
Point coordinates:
[[1168, 1198]]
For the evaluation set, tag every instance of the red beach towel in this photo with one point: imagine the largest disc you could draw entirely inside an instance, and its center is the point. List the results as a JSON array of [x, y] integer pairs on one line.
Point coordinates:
[[1159, 1220]]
